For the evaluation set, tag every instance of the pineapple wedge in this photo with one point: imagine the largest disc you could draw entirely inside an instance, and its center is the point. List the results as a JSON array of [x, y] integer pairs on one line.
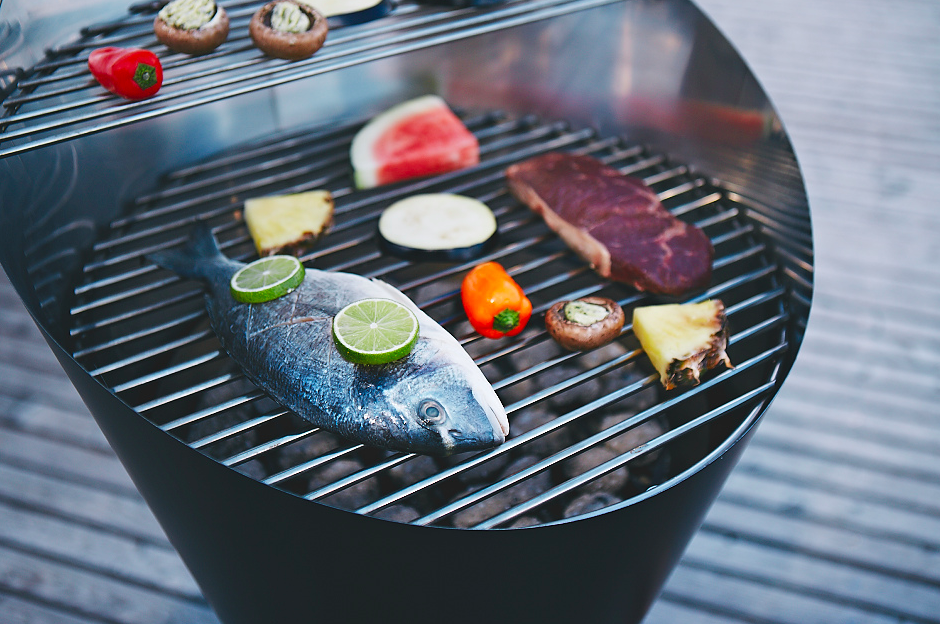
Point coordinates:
[[683, 340], [288, 223]]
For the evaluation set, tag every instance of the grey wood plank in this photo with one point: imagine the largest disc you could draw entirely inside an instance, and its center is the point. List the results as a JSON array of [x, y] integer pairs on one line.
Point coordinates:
[[74, 591], [64, 461], [54, 423], [912, 464], [873, 591], [853, 514], [895, 435], [806, 538], [51, 387], [16, 610], [123, 514], [666, 611], [894, 405], [844, 377], [105, 553], [755, 601], [27, 349], [822, 472]]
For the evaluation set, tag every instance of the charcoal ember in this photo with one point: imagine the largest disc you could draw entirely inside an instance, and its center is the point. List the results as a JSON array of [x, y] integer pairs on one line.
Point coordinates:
[[308, 448], [353, 497], [254, 469], [590, 501], [536, 354], [524, 521], [232, 445], [524, 360], [603, 355], [510, 497], [574, 397], [579, 464], [632, 438], [398, 513], [486, 471], [546, 445], [413, 470]]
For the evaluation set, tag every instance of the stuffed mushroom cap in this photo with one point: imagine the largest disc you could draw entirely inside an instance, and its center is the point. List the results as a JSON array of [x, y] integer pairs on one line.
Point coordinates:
[[585, 323], [288, 30], [191, 26]]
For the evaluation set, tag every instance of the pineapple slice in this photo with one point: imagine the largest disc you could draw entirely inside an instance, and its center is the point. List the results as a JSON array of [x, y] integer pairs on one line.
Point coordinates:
[[288, 223], [683, 340]]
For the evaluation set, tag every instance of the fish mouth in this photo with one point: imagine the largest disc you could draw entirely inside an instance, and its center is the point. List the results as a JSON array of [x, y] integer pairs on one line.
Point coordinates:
[[457, 441]]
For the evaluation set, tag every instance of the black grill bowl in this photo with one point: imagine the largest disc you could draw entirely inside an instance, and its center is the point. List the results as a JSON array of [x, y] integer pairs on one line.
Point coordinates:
[[90, 185]]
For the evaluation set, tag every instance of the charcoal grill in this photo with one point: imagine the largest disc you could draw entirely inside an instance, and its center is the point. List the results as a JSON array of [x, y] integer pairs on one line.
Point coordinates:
[[583, 513]]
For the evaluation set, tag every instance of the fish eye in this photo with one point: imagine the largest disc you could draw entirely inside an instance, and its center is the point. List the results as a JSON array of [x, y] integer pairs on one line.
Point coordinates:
[[431, 411]]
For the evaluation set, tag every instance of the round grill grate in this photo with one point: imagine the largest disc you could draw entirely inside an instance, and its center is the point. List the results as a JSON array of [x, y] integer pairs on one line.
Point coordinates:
[[588, 430]]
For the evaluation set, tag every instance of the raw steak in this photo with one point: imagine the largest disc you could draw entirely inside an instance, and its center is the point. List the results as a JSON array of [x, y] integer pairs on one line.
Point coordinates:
[[615, 222]]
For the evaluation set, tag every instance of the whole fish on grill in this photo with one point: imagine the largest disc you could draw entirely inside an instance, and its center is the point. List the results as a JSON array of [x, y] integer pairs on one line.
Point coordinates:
[[285, 346]]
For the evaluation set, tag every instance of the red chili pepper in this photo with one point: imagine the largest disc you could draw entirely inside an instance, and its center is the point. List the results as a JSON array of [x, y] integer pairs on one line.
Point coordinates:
[[494, 303], [132, 73]]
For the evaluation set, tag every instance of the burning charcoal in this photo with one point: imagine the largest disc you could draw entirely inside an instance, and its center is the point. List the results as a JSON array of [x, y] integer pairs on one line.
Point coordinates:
[[602, 355], [524, 360], [354, 496], [232, 445], [592, 501], [413, 470], [484, 472], [536, 354], [574, 397], [254, 469], [632, 438], [524, 521], [591, 458], [308, 448], [620, 377], [534, 417], [398, 513], [498, 503]]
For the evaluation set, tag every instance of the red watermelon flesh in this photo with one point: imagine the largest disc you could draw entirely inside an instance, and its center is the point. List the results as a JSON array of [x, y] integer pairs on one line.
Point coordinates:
[[418, 138]]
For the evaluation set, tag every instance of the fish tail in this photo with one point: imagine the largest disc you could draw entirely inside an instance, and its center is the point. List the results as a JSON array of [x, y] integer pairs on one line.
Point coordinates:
[[198, 258]]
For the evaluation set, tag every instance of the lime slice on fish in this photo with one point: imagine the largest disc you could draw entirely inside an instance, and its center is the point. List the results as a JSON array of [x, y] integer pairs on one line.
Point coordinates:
[[266, 279], [375, 331]]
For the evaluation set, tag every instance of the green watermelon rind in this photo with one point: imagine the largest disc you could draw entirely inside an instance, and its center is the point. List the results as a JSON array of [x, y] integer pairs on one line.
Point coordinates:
[[365, 166]]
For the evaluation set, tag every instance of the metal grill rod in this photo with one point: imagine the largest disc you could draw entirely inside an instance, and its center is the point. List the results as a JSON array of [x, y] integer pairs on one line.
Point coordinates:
[[622, 460], [224, 195], [111, 280], [516, 271], [533, 399], [232, 87], [529, 267], [556, 423], [535, 433]]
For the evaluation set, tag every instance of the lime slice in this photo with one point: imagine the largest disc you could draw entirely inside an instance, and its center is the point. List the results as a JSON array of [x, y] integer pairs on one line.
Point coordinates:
[[375, 331], [266, 279]]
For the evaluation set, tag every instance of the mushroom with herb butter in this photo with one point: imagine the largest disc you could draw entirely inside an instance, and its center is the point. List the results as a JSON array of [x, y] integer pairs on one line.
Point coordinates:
[[288, 30], [585, 323], [191, 26]]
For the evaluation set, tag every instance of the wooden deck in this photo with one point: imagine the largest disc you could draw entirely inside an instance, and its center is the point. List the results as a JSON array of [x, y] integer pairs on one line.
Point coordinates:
[[832, 516]]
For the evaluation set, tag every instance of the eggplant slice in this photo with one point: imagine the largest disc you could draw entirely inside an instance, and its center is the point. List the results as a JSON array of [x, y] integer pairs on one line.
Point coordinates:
[[438, 227]]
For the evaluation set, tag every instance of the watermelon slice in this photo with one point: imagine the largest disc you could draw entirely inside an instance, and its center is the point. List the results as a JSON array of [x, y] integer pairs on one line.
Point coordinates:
[[417, 138]]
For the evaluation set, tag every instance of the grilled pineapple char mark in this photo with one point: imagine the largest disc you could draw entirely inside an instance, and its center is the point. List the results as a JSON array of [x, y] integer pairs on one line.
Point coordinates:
[[288, 223], [683, 340]]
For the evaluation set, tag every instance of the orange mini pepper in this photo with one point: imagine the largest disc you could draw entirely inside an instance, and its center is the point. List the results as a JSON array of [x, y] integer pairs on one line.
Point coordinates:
[[494, 302]]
